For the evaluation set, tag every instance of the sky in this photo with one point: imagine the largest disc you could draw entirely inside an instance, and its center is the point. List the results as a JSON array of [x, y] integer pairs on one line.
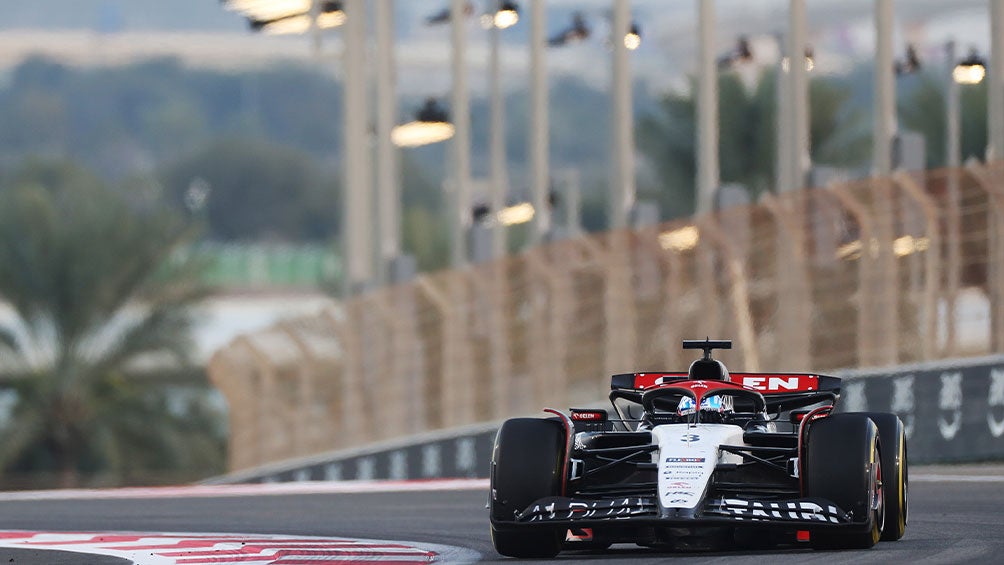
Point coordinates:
[[203, 33]]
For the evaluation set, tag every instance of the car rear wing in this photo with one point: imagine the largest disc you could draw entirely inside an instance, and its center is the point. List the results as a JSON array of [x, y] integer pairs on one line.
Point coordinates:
[[782, 391]]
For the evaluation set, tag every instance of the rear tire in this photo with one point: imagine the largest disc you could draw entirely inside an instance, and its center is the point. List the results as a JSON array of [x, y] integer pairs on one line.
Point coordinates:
[[895, 471], [844, 466], [527, 465]]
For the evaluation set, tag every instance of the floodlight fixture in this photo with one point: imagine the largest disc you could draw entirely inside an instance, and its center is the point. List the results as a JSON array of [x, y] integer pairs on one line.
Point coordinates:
[[577, 31], [288, 16], [297, 24], [910, 63], [443, 16], [632, 40], [741, 53], [970, 70], [431, 125], [507, 15]]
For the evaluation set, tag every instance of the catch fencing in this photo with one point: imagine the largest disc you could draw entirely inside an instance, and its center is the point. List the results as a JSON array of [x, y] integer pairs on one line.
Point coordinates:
[[952, 411], [872, 273]]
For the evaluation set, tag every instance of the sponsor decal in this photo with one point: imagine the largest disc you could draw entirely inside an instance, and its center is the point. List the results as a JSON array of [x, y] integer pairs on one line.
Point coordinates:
[[432, 460], [950, 402], [698, 384], [685, 459], [567, 509], [854, 398], [398, 465], [678, 484], [690, 438], [333, 472], [680, 493], [466, 456], [778, 383], [799, 510], [597, 415], [902, 401], [365, 468], [995, 399], [679, 500]]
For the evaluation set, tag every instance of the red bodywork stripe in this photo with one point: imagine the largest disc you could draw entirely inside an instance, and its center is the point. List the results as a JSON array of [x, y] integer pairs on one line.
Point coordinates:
[[569, 435], [802, 428], [646, 380]]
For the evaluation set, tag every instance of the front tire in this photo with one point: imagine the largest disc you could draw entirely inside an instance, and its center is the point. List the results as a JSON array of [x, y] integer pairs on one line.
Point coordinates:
[[844, 466], [527, 465]]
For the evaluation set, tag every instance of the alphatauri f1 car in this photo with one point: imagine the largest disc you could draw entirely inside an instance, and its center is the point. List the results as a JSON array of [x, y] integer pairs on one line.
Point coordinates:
[[700, 459]]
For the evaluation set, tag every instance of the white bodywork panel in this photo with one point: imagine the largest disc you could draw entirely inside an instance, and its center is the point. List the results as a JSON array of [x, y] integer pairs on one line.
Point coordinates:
[[687, 457]]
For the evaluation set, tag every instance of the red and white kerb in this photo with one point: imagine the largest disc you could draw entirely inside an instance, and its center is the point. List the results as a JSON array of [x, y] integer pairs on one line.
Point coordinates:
[[196, 549]]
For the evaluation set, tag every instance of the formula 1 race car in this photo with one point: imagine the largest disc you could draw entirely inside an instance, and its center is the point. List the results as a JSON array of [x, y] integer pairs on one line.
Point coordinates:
[[699, 460]]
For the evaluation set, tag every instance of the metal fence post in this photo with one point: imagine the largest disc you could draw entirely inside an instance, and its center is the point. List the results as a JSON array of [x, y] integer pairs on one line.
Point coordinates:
[[738, 294], [350, 401], [932, 263], [995, 244], [866, 268], [618, 305], [795, 295]]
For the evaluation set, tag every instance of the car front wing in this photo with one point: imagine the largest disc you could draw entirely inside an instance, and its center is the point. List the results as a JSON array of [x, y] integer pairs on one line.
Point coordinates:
[[809, 512]]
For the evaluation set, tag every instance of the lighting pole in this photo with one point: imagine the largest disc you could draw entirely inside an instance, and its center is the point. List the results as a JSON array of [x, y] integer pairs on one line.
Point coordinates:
[[459, 188], [315, 28], [883, 295], [622, 192], [995, 88], [885, 91], [356, 166], [798, 123], [953, 158], [388, 188], [707, 110], [539, 124], [499, 176], [953, 143], [782, 124]]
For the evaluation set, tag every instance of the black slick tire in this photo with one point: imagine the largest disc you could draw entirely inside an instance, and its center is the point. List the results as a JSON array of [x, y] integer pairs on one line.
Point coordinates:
[[843, 466], [527, 465], [895, 473]]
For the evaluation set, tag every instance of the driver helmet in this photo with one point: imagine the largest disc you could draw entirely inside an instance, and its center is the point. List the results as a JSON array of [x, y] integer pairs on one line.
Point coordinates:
[[712, 404]]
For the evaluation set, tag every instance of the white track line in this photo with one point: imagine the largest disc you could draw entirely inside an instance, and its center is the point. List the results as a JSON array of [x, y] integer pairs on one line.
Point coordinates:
[[941, 478], [265, 489]]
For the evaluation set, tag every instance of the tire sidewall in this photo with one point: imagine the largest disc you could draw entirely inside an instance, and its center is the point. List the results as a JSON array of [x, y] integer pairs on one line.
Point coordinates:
[[895, 472]]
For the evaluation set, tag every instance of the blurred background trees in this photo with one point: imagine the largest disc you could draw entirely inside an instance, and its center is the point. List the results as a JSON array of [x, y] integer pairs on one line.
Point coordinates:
[[840, 136], [84, 270]]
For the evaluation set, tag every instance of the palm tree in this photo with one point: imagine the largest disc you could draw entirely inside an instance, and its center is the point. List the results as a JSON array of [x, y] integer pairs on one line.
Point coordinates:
[[747, 141], [85, 271]]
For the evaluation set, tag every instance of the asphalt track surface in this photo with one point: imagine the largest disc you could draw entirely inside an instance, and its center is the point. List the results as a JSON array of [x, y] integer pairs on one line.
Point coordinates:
[[956, 516]]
